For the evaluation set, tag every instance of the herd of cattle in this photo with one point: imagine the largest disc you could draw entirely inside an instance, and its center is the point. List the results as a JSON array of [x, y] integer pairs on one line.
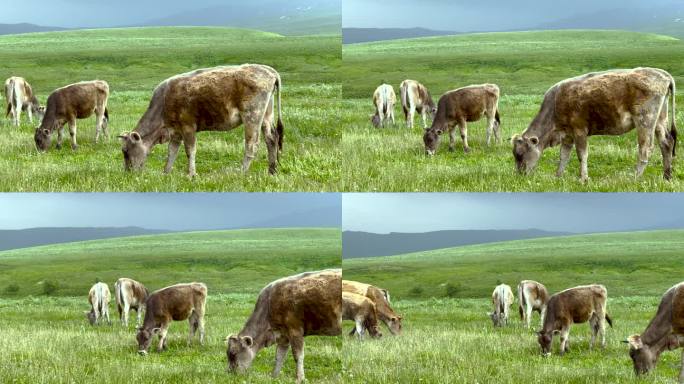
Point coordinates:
[[613, 102], [315, 303], [210, 99], [587, 303]]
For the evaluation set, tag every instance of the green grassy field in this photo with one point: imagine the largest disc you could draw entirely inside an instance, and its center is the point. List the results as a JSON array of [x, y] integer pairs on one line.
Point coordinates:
[[524, 65], [46, 338], [134, 61], [444, 297]]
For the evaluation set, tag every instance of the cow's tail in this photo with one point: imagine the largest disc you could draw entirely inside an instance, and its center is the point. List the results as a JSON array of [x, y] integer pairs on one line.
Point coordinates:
[[521, 298], [106, 114], [404, 99], [609, 320], [673, 126], [279, 125]]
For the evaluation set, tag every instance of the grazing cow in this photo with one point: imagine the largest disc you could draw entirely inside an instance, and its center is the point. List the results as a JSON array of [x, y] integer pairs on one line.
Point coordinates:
[[574, 306], [602, 103], [19, 97], [379, 297], [66, 104], [211, 99], [384, 99], [532, 296], [502, 299], [459, 107], [286, 311], [129, 294], [664, 332], [175, 303], [415, 97], [360, 310], [98, 297]]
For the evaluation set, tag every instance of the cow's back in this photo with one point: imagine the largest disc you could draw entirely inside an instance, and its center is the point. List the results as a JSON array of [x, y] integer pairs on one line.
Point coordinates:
[[76, 100], [678, 309], [579, 303], [212, 98], [177, 301], [311, 302]]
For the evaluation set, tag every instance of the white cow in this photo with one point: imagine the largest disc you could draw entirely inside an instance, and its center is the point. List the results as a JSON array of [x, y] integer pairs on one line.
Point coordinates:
[[384, 99], [19, 97], [415, 97], [129, 294], [99, 303], [502, 298]]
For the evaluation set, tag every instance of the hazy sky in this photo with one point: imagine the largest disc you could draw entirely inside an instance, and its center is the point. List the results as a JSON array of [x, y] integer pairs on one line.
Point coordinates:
[[468, 15], [173, 211], [577, 212]]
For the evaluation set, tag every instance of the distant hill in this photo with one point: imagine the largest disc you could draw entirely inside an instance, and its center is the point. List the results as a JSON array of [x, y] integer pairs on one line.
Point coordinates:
[[365, 244], [22, 238], [296, 17], [362, 35], [11, 29]]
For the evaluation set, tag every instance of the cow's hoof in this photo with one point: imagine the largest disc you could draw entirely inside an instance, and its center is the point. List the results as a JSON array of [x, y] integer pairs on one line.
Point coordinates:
[[142, 353], [58, 146], [451, 149], [74, 147], [466, 149]]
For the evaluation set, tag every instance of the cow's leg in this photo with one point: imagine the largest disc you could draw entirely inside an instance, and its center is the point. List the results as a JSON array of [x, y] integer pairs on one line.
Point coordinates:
[[119, 308], [72, 133], [297, 343], [162, 337], [582, 155], [594, 325], [281, 352], [602, 329], [17, 113], [381, 114], [271, 138], [528, 315], [60, 134], [189, 139], [391, 112], [174, 145], [646, 121], [359, 326], [452, 137], [644, 150], [126, 308], [30, 115], [98, 125], [252, 120], [138, 313], [565, 150], [193, 324], [463, 127], [542, 313], [490, 128], [666, 142], [564, 343], [412, 112], [424, 114], [106, 312]]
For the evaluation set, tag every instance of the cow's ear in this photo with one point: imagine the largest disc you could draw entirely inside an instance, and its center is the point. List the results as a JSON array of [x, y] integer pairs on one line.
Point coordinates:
[[123, 135], [135, 136], [534, 140], [439, 131], [45, 131], [635, 342], [247, 341], [156, 330], [672, 343], [517, 139]]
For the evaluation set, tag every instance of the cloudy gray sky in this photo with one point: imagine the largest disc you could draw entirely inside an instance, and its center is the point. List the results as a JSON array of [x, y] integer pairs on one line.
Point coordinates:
[[576, 212], [468, 15], [172, 211]]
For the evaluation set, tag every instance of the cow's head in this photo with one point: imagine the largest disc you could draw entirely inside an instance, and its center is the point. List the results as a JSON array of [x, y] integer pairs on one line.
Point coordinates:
[[240, 351], [42, 138], [375, 120], [144, 337], [375, 331], [90, 315], [394, 325], [545, 339], [526, 151], [134, 151], [431, 140], [643, 356]]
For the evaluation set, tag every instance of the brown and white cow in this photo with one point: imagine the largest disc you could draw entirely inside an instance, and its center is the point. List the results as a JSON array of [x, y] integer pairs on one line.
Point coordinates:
[[574, 306], [361, 310], [664, 332], [19, 97], [210, 99], [532, 296], [175, 303], [384, 99], [129, 294], [98, 297], [379, 297], [286, 311], [67, 104], [502, 299], [602, 103], [415, 97], [459, 107]]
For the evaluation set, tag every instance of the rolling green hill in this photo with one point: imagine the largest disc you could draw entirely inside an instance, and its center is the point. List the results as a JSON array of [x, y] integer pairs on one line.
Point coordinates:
[[627, 263], [133, 61], [524, 65], [236, 261]]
